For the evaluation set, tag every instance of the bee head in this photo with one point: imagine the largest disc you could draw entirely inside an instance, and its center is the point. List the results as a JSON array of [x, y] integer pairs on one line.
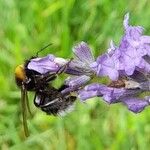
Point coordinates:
[[20, 75]]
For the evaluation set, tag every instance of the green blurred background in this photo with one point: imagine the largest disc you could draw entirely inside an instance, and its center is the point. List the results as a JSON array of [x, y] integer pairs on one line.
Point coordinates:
[[25, 27]]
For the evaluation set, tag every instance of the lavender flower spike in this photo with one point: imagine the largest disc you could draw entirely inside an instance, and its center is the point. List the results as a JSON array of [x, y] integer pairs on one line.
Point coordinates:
[[128, 66], [133, 53]]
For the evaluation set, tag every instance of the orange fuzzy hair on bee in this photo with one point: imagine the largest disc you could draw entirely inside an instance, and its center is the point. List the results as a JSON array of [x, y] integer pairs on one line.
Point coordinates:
[[20, 74]]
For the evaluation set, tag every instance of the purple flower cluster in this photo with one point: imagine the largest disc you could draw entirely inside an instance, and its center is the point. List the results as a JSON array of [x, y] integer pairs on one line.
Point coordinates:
[[130, 63], [128, 56], [126, 65]]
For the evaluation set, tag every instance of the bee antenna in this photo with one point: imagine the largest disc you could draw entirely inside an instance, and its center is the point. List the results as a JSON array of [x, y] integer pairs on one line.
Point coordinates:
[[43, 49]]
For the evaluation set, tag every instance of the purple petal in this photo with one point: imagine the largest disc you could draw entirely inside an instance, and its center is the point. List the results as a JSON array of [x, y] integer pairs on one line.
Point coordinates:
[[113, 95], [84, 95], [134, 32], [112, 48], [94, 87], [126, 21], [77, 67], [144, 66], [83, 53], [43, 65], [136, 105], [130, 31], [107, 67], [145, 39], [94, 66], [77, 81]]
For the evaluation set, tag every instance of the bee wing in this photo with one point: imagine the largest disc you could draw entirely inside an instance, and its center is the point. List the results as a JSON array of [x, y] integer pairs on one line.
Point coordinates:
[[24, 110]]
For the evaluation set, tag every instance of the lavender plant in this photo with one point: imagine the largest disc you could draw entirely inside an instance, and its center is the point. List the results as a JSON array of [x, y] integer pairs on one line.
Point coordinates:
[[126, 65]]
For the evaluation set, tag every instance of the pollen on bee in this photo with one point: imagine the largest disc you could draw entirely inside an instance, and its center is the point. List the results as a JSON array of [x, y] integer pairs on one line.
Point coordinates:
[[19, 72]]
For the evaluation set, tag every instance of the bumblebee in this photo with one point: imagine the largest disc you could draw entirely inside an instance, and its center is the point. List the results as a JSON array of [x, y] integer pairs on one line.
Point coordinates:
[[48, 98]]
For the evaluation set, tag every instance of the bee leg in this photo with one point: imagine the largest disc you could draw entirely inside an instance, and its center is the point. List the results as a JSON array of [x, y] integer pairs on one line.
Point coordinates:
[[27, 103], [64, 67], [24, 111], [47, 77], [51, 77], [50, 103]]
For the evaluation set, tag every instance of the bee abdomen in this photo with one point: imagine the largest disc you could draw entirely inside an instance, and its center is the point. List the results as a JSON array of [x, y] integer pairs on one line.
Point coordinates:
[[59, 106]]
